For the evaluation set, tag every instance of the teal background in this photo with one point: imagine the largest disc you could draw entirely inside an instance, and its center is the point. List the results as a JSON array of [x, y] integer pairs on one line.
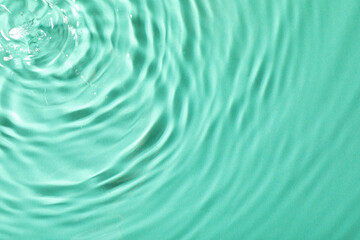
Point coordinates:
[[179, 119]]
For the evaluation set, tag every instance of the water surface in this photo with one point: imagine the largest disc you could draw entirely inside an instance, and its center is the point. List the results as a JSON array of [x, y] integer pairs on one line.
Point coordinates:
[[175, 119]]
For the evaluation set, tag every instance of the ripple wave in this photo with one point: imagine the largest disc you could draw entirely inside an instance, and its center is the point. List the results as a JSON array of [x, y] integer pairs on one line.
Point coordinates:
[[178, 119]]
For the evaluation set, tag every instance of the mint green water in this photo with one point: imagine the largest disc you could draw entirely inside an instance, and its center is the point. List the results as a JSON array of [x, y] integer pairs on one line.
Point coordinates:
[[179, 119]]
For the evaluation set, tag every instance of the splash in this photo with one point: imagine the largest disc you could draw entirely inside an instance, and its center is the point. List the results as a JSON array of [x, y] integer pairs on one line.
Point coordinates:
[[36, 30]]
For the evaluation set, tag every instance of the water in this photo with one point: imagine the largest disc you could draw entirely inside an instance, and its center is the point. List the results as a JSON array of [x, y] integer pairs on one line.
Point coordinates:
[[175, 119]]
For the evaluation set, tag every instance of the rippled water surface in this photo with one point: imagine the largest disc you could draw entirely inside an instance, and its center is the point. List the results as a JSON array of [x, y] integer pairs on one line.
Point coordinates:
[[179, 119]]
